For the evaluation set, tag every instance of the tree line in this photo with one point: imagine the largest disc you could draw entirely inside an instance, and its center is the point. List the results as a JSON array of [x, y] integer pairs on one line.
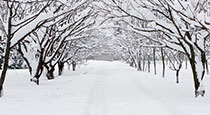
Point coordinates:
[[178, 28]]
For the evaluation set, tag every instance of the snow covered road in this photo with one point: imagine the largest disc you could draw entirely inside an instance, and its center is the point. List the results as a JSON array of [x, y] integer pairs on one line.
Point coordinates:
[[121, 94], [102, 88]]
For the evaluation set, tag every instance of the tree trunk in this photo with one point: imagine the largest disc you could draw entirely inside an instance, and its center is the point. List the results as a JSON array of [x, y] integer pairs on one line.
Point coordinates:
[[1, 89], [39, 70], [143, 68], [37, 75], [177, 76], [177, 73], [163, 62], [195, 77], [154, 61], [131, 64], [60, 68], [50, 72], [186, 62], [139, 65], [24, 58], [207, 67], [198, 69], [7, 53], [148, 63], [5, 67], [74, 65], [180, 58]]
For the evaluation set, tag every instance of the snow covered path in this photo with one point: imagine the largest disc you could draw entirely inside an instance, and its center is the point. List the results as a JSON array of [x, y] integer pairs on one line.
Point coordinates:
[[102, 88], [121, 94]]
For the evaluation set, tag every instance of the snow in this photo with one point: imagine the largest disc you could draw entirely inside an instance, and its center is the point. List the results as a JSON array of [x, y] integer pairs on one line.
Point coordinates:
[[103, 88]]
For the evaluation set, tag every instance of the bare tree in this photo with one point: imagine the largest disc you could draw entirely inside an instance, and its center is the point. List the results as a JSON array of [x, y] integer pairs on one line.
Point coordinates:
[[175, 61], [18, 20], [48, 45]]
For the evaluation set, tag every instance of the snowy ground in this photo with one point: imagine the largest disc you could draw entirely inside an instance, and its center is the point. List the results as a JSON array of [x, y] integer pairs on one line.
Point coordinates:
[[103, 88]]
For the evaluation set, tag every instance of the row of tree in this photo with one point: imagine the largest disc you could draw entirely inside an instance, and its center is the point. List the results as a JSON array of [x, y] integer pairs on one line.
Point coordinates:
[[180, 27], [46, 33]]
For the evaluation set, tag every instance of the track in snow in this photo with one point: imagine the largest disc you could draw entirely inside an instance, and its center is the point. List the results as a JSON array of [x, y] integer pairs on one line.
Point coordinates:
[[96, 103], [114, 93]]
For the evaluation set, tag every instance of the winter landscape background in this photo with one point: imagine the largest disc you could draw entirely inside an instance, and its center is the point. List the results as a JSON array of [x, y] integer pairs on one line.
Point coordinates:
[[104, 57]]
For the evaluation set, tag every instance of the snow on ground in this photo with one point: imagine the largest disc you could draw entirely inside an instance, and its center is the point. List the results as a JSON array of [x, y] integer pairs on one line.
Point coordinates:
[[103, 88]]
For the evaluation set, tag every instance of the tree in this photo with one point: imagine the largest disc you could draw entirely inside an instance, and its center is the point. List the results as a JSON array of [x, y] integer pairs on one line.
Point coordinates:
[[48, 45], [175, 61], [18, 20]]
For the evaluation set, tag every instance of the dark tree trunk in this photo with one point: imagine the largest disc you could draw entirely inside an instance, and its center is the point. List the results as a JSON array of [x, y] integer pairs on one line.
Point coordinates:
[[193, 64], [132, 64], [180, 58], [74, 65], [148, 63], [39, 69], [207, 67], [4, 71], [1, 89], [195, 77], [24, 58], [177, 76], [143, 68], [204, 61], [154, 61], [60, 68], [7, 53], [139, 65], [50, 72], [163, 62], [37, 75]]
